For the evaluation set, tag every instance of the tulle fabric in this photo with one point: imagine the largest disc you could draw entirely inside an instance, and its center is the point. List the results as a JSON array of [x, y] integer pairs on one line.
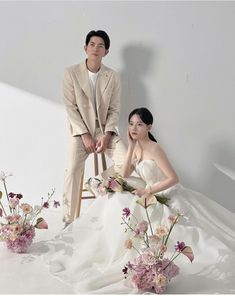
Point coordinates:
[[90, 254]]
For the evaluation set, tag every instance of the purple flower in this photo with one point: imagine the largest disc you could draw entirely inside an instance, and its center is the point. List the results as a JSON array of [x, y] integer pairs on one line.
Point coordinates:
[[125, 269], [56, 204], [126, 212], [46, 205], [19, 196], [11, 194], [180, 246]]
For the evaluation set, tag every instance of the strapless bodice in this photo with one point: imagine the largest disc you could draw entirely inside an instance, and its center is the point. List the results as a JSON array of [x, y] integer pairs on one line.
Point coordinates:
[[149, 171]]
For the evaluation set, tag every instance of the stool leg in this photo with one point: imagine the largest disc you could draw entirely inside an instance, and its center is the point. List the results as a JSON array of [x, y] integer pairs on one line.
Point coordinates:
[[104, 165], [79, 197], [96, 166]]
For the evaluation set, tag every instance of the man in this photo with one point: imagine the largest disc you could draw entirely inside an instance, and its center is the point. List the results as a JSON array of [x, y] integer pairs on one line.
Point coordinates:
[[92, 100]]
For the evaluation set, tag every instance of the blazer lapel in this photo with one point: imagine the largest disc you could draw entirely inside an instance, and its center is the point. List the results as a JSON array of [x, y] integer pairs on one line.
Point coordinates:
[[84, 82], [101, 83]]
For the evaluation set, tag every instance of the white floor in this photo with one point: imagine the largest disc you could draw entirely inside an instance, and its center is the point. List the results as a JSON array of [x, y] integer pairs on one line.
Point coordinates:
[[27, 273]]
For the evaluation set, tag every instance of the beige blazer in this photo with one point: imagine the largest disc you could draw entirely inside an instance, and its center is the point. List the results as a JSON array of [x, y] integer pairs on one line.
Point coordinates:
[[78, 99]]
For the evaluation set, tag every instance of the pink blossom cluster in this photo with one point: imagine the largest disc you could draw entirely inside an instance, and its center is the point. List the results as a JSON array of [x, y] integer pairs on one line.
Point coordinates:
[[18, 220], [150, 269], [148, 272], [22, 242], [112, 184]]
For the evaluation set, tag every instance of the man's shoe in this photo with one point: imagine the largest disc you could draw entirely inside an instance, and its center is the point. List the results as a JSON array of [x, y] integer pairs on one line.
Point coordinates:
[[66, 224]]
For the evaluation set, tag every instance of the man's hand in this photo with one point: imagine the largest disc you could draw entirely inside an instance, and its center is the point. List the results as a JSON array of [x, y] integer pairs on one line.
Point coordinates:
[[88, 142], [103, 142]]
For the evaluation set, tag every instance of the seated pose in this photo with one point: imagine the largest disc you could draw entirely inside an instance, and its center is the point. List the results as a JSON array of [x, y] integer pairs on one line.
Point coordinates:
[[91, 253]]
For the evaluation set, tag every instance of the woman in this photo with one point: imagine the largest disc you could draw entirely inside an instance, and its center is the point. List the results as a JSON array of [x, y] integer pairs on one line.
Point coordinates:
[[90, 253]]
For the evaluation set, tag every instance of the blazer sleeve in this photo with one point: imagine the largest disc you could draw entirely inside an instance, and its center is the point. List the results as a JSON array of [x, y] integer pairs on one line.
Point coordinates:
[[74, 116], [114, 106]]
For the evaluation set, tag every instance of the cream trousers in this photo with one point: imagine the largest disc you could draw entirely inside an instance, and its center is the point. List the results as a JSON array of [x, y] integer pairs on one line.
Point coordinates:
[[116, 151]]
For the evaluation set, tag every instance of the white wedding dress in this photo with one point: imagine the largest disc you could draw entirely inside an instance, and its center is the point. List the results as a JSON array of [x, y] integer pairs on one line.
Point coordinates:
[[90, 254]]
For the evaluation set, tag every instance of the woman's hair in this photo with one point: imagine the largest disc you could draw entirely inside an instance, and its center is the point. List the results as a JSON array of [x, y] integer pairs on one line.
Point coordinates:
[[146, 116], [101, 34]]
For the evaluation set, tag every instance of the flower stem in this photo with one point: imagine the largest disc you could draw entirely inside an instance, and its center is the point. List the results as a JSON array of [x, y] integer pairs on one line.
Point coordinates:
[[173, 258], [173, 224], [128, 225], [5, 187], [148, 218], [3, 209]]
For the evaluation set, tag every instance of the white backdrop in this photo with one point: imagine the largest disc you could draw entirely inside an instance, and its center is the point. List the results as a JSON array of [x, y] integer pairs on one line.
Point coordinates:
[[176, 58]]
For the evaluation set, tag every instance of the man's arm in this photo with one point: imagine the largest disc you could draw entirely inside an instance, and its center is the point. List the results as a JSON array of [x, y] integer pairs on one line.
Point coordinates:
[[75, 119]]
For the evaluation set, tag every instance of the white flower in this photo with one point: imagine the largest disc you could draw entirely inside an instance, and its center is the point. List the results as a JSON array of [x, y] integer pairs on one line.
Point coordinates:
[[4, 175]]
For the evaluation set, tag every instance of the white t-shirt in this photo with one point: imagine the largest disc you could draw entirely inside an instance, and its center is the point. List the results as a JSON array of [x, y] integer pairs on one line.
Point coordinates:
[[93, 78]]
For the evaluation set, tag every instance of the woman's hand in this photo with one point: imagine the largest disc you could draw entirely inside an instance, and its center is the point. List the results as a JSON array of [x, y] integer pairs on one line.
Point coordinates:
[[131, 141], [139, 191]]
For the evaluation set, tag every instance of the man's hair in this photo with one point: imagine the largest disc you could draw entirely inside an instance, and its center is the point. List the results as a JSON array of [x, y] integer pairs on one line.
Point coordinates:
[[101, 34]]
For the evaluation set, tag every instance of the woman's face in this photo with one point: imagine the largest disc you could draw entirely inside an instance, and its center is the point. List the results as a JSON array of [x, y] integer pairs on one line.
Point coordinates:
[[138, 130]]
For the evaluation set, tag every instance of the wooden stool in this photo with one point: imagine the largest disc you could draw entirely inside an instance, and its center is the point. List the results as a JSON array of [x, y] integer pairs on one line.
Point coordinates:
[[96, 170]]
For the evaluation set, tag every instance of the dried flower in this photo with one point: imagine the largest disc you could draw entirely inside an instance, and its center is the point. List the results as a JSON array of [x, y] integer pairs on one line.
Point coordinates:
[[150, 270], [17, 227], [128, 243], [161, 231]]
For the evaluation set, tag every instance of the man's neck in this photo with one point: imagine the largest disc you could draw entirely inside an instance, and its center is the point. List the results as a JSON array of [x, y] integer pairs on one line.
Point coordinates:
[[93, 66]]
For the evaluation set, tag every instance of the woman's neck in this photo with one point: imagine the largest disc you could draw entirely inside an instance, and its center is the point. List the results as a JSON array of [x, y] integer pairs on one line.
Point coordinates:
[[143, 143]]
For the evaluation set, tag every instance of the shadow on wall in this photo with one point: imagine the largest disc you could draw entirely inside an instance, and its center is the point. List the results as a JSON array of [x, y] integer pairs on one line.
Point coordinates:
[[137, 61], [218, 184]]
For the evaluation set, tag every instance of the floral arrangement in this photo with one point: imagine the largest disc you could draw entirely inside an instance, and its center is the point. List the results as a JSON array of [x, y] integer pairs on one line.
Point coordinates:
[[151, 269], [19, 220], [118, 184]]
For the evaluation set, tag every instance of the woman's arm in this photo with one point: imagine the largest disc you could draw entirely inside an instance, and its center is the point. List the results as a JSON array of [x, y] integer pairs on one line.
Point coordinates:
[[128, 166], [164, 164]]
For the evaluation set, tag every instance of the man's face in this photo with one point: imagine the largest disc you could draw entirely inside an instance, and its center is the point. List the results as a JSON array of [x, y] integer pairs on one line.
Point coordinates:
[[95, 49]]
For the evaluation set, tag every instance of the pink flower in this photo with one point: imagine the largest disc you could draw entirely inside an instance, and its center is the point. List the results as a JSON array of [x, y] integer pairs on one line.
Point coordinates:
[[172, 218], [22, 242], [161, 231], [142, 226], [163, 249], [126, 212], [115, 185], [26, 208], [13, 202], [154, 241], [160, 280], [149, 258], [180, 246]]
